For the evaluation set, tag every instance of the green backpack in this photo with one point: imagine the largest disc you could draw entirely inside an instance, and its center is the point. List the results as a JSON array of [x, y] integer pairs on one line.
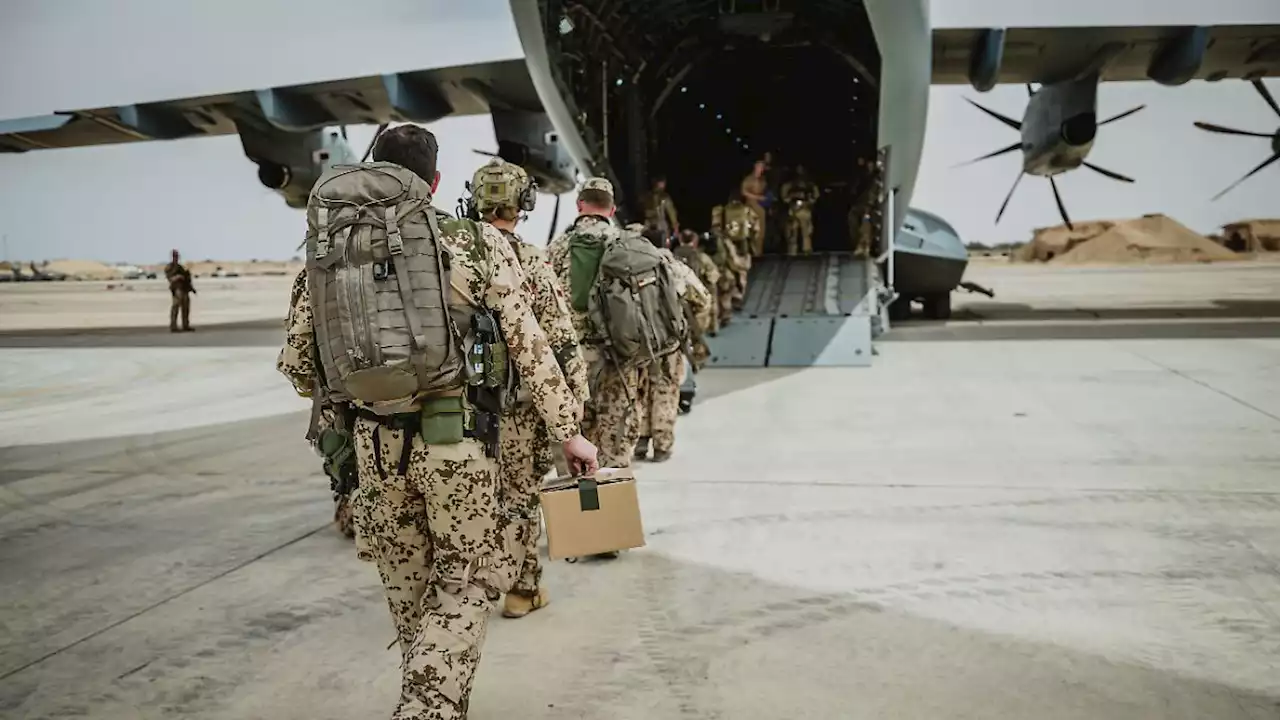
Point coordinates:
[[633, 304]]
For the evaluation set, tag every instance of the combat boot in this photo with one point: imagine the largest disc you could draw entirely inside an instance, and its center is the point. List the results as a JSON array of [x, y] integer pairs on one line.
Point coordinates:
[[642, 449], [517, 605]]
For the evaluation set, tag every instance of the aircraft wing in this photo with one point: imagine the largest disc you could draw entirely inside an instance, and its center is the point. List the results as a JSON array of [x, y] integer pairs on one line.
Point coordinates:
[[419, 96], [1168, 54]]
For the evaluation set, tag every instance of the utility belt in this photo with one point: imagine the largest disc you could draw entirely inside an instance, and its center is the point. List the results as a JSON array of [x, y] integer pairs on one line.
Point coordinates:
[[441, 420]]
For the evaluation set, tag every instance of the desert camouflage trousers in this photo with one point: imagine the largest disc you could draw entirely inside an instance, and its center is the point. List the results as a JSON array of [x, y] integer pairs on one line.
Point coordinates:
[[658, 401], [526, 458], [757, 239], [446, 553], [800, 230], [611, 423]]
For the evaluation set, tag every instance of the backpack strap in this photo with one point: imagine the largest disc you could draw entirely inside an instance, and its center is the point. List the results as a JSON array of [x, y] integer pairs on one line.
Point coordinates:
[[395, 245], [322, 232]]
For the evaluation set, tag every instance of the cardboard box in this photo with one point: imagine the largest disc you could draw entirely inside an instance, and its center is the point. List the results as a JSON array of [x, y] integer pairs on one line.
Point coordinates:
[[598, 514]]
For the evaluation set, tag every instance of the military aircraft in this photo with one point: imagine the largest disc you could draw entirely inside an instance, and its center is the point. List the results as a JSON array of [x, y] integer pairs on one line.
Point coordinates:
[[697, 89]]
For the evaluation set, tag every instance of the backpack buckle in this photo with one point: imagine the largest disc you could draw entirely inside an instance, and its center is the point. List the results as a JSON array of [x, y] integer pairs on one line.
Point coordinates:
[[394, 241]]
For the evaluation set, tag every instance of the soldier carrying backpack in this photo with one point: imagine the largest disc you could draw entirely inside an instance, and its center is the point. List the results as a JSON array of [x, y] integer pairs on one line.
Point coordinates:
[[408, 315]]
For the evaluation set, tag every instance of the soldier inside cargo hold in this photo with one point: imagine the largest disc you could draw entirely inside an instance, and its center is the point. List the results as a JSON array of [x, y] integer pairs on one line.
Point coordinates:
[[660, 210]]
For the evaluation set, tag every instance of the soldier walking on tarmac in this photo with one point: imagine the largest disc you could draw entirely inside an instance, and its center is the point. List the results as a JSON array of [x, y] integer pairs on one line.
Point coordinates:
[[500, 192], [424, 369], [610, 420]]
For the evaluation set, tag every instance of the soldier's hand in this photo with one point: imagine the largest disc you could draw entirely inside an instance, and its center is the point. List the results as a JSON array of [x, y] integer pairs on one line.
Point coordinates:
[[581, 455]]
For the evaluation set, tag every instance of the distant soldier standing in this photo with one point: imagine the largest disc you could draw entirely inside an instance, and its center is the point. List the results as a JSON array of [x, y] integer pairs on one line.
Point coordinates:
[[180, 292], [755, 190], [500, 192], [800, 194], [424, 366], [660, 210]]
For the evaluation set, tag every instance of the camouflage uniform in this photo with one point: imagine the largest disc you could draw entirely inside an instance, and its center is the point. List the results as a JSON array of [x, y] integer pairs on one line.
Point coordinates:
[[735, 224], [526, 447], [610, 422], [660, 212], [180, 290], [800, 195], [441, 540], [709, 275], [658, 391], [756, 186]]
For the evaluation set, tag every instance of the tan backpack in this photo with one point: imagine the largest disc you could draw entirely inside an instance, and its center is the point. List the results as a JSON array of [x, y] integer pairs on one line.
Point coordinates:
[[386, 323]]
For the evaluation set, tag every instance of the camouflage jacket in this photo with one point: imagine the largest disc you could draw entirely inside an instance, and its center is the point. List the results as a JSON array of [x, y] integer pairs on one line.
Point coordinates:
[[551, 308], [660, 209], [691, 290], [487, 275], [558, 255]]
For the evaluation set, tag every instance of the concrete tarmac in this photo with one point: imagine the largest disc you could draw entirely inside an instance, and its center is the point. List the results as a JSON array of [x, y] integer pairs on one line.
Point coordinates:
[[977, 526]]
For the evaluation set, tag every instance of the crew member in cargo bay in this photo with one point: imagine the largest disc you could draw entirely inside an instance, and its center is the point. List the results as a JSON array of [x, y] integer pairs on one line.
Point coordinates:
[[800, 195], [660, 209], [501, 192], [755, 192], [415, 342]]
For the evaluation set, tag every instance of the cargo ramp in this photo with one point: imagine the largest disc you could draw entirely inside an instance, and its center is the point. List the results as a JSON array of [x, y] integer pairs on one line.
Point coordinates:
[[816, 310]]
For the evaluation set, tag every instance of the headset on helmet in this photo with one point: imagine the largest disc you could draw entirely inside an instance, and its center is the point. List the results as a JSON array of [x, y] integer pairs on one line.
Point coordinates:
[[502, 184]]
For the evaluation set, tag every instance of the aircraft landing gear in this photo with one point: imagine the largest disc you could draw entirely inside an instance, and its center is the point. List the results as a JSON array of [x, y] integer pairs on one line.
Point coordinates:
[[938, 307]]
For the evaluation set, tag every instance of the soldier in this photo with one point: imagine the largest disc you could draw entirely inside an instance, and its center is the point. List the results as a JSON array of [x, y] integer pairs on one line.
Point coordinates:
[[862, 212], [660, 210], [610, 418], [658, 396], [690, 253], [427, 511], [736, 224], [755, 191], [180, 292], [800, 195], [500, 191]]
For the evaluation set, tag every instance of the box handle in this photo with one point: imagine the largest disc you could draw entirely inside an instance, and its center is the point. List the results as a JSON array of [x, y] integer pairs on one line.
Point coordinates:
[[588, 497]]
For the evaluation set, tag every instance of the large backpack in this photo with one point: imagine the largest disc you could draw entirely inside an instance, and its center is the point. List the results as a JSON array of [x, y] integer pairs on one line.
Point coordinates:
[[634, 306], [386, 323], [688, 255]]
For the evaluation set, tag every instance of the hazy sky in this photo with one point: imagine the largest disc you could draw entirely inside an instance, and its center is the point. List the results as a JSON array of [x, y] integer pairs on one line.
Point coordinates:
[[134, 202]]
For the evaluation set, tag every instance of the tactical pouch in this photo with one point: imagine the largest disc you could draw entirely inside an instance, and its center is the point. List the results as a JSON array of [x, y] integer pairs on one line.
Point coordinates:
[[339, 459], [443, 421]]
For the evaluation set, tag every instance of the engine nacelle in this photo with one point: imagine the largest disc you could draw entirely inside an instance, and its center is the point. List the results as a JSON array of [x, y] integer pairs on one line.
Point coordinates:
[[530, 140], [290, 163]]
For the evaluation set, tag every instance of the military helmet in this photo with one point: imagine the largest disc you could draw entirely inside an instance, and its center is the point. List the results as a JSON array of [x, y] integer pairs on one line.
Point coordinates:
[[502, 184]]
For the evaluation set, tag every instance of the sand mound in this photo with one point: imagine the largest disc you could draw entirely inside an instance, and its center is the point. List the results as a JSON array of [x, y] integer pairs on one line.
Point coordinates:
[[82, 269], [1048, 243], [1153, 238]]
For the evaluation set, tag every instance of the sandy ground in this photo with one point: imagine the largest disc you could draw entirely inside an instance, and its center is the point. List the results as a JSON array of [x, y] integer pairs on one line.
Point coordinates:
[[970, 528]]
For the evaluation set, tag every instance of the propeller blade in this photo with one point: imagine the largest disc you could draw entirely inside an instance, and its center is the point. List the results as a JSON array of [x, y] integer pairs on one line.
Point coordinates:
[[1008, 197], [344, 132], [1030, 91], [1266, 95], [1001, 151], [369, 150], [1006, 120], [1062, 209], [486, 153], [1108, 173], [1251, 173], [1229, 131], [1121, 116], [555, 217]]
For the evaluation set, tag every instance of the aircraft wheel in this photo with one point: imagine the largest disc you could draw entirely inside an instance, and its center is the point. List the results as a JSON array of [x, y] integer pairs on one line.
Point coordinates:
[[938, 307], [900, 310]]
